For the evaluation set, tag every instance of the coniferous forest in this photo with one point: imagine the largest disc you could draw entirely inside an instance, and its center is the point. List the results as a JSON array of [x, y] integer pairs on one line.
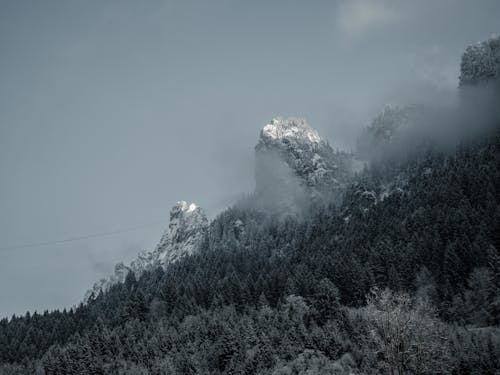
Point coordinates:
[[399, 274], [410, 284]]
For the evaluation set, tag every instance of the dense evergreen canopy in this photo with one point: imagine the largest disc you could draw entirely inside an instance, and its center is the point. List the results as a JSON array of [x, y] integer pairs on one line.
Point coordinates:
[[284, 293]]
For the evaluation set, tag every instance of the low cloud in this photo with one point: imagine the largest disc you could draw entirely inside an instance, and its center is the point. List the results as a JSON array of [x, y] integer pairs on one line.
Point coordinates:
[[358, 17], [434, 66]]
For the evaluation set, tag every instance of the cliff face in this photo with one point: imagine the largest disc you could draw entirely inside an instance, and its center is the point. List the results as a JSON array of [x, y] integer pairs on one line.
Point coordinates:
[[293, 162], [188, 223], [183, 236]]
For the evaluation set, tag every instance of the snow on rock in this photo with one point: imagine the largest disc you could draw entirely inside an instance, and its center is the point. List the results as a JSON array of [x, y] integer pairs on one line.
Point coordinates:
[[290, 153], [104, 284], [188, 224], [291, 129]]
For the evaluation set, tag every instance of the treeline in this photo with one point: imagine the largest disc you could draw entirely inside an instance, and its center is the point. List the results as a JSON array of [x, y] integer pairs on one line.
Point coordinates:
[[279, 294]]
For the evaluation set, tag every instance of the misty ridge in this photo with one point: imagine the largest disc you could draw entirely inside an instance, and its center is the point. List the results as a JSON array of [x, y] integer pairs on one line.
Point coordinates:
[[468, 113], [398, 129], [380, 260]]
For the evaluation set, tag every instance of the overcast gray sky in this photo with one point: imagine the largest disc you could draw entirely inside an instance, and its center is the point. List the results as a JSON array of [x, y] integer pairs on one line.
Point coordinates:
[[111, 111]]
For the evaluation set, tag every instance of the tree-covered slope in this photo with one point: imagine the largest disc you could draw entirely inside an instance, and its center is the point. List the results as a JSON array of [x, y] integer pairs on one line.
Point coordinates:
[[401, 275], [268, 294]]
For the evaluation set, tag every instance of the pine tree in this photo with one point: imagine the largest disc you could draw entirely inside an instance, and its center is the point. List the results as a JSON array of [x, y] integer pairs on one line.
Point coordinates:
[[326, 301]]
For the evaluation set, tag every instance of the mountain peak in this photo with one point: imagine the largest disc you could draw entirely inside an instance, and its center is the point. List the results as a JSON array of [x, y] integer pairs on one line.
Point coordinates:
[[293, 163], [187, 225], [183, 236], [182, 207], [289, 130]]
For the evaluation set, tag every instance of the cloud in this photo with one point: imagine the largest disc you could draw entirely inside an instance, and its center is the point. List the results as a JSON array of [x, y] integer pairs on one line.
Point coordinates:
[[358, 17], [435, 66]]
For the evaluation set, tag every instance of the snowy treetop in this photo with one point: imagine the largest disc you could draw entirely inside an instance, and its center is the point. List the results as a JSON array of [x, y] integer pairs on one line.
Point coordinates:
[[481, 62]]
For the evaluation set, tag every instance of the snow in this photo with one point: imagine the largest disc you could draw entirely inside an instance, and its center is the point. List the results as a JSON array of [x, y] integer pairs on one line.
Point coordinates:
[[291, 129]]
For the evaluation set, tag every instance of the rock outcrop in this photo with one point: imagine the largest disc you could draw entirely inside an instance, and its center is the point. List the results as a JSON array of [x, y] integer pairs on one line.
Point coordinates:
[[188, 224], [294, 163]]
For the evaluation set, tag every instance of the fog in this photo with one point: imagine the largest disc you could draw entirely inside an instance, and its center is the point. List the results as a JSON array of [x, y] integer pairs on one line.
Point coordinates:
[[110, 112], [467, 113]]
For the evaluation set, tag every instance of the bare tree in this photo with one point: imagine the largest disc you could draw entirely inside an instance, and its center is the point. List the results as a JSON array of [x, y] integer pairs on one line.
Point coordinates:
[[404, 334]]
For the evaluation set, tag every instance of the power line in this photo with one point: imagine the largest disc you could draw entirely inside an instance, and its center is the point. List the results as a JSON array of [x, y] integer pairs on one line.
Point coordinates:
[[82, 237]]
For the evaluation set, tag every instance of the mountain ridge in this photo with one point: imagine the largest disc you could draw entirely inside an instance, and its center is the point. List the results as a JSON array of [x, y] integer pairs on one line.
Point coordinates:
[[402, 275], [293, 165]]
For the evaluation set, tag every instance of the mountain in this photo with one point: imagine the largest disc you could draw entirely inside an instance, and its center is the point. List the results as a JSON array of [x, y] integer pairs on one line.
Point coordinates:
[[297, 293], [188, 224], [293, 163], [400, 275], [293, 166], [399, 127]]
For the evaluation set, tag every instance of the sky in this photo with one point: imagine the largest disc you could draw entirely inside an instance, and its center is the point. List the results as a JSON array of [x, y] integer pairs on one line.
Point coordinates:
[[112, 111]]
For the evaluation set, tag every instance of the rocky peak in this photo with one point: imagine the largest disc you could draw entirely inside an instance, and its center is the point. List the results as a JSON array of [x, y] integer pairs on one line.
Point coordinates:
[[293, 161], [188, 223], [183, 236], [180, 209], [281, 131]]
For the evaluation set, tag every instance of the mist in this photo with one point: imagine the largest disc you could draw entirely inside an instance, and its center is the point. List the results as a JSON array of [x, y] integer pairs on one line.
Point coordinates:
[[112, 112], [464, 114]]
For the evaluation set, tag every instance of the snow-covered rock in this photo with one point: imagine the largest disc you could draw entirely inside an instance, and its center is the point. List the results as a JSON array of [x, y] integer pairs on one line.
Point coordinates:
[[292, 158], [291, 129], [188, 224]]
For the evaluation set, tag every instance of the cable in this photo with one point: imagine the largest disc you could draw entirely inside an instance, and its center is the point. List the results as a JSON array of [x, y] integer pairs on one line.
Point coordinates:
[[83, 237]]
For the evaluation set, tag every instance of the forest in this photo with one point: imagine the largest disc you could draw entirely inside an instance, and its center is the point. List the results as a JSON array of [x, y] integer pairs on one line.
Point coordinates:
[[394, 269], [402, 282]]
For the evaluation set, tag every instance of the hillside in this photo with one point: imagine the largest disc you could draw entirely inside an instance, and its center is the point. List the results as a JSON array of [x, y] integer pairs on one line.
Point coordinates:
[[394, 269]]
